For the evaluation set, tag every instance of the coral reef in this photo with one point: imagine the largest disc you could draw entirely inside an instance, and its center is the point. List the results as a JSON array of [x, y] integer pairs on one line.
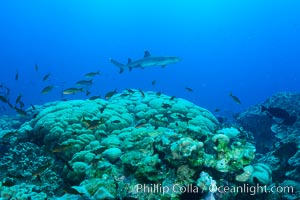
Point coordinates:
[[278, 144], [105, 149]]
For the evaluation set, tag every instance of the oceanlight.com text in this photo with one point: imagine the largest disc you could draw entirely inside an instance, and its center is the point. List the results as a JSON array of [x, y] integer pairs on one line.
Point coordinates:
[[251, 189], [177, 188]]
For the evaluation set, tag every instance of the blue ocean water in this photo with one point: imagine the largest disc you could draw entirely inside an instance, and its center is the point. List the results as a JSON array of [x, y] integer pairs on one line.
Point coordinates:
[[249, 48]]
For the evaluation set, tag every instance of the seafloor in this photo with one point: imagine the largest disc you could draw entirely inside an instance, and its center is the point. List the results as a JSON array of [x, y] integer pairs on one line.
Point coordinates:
[[147, 145]]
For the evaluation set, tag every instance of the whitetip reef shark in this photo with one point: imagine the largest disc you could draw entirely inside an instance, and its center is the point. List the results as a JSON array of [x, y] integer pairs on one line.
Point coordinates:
[[147, 61]]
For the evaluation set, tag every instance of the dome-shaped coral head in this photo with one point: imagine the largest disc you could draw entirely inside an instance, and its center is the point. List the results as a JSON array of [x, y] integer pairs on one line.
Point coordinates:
[[262, 174], [256, 174]]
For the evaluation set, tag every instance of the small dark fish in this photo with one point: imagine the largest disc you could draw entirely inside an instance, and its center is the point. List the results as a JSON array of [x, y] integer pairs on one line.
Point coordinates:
[[166, 106], [47, 89], [46, 77], [142, 93], [183, 118], [116, 121], [38, 177], [94, 97], [172, 98], [235, 98], [61, 148], [72, 90], [217, 110], [9, 134], [154, 118], [153, 82], [69, 190], [4, 99], [158, 93], [92, 74], [221, 119], [87, 93], [17, 176], [69, 166], [276, 112], [124, 94], [189, 89], [102, 109], [20, 111], [110, 94], [36, 67], [10, 105], [19, 98], [84, 83], [17, 76], [22, 105], [130, 91], [33, 107], [8, 183], [140, 125], [280, 113], [41, 169], [91, 124]]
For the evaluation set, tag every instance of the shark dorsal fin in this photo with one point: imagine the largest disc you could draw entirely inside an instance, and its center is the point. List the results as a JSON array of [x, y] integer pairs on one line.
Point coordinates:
[[147, 54], [129, 60]]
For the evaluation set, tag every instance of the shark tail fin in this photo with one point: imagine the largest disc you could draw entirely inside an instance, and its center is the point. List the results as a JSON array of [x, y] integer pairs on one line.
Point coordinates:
[[116, 63]]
